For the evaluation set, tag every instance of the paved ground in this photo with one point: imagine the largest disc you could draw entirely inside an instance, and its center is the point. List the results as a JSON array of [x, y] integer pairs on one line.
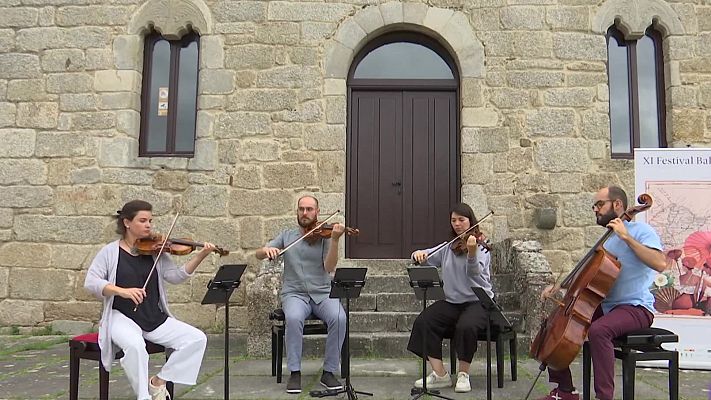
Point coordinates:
[[36, 367]]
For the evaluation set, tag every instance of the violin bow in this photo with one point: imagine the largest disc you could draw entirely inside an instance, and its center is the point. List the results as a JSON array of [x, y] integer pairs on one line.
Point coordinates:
[[461, 235], [162, 247], [306, 234]]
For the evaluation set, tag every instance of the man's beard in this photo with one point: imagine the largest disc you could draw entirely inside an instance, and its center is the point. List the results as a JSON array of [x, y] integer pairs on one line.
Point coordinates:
[[304, 222], [604, 219]]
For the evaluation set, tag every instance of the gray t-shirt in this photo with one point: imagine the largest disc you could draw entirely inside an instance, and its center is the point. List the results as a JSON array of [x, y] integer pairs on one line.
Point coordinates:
[[304, 273], [460, 273]]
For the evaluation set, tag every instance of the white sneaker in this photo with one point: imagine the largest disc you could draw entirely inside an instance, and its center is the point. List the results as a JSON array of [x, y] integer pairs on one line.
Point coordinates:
[[463, 384], [157, 392], [435, 381]]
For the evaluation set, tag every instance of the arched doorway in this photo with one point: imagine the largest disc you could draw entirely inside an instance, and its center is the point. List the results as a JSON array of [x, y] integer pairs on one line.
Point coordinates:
[[403, 169]]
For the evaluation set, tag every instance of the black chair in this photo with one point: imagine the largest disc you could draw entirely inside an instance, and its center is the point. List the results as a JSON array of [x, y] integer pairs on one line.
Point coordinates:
[[500, 336], [87, 347], [640, 345], [313, 326]]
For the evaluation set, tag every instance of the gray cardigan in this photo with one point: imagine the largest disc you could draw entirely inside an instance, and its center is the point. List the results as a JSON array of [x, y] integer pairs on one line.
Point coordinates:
[[102, 271]]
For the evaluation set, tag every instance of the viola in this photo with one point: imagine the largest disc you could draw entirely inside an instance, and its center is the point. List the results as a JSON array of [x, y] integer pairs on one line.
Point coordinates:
[[151, 246], [325, 231]]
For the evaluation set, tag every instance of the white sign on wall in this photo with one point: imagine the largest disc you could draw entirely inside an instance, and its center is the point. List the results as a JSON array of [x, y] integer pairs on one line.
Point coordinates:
[[679, 181]]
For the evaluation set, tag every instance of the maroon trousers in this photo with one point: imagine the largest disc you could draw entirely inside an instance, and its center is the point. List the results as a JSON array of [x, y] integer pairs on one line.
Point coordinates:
[[604, 328]]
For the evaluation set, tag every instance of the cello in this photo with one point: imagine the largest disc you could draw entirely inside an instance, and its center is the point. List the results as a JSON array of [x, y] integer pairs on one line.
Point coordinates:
[[562, 334]]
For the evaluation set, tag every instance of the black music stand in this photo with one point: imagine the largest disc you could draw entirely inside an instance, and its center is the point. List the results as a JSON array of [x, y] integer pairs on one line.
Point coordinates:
[[493, 315], [346, 284], [426, 283], [219, 290]]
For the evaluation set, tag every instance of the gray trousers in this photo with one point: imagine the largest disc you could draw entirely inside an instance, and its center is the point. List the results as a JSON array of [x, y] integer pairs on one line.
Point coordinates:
[[329, 311]]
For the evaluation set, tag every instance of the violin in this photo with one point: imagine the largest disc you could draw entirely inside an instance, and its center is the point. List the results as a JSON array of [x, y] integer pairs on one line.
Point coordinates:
[[460, 245], [325, 231], [151, 246]]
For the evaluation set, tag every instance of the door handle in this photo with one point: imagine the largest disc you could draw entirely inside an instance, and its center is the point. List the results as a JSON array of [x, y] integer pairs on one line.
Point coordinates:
[[398, 185]]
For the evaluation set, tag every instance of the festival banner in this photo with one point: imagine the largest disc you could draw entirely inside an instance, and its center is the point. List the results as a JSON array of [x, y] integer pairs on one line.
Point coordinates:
[[679, 181]]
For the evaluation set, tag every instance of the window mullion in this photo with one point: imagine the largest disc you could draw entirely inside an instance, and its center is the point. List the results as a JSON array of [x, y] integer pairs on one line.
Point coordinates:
[[173, 97], [634, 96]]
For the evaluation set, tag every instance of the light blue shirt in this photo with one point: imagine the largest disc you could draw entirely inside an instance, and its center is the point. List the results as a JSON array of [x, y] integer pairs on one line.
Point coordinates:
[[304, 274], [632, 284]]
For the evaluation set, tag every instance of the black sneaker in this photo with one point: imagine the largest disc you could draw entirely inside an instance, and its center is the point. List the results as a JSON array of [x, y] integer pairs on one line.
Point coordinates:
[[294, 384], [329, 381]]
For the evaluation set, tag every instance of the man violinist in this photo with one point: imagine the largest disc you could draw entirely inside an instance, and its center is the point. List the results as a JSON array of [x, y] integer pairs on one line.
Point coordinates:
[[629, 305], [308, 267]]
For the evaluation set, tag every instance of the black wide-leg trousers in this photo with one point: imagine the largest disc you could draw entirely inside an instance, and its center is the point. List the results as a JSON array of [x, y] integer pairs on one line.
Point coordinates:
[[461, 322]]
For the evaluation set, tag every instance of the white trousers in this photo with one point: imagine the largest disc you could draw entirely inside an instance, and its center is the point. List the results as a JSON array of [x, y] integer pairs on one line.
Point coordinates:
[[188, 344]]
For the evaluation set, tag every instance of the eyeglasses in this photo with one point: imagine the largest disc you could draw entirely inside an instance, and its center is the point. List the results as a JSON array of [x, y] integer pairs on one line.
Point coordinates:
[[598, 204]]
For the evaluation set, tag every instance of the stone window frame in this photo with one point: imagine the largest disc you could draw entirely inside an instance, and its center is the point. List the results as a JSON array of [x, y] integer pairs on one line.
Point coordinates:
[[633, 18], [633, 114], [174, 87], [128, 59]]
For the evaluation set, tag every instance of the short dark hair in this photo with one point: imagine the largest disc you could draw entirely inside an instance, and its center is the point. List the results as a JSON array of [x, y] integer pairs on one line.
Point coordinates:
[[616, 193], [464, 210], [129, 212]]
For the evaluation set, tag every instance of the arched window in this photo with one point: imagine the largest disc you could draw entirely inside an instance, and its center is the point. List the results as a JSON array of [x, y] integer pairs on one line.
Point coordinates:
[[169, 96], [636, 78], [403, 58]]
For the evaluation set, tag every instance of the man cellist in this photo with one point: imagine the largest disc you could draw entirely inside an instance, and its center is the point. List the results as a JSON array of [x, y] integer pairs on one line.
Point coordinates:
[[628, 306]]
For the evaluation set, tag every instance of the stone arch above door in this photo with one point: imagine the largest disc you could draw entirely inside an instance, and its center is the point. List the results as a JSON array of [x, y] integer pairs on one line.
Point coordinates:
[[451, 28]]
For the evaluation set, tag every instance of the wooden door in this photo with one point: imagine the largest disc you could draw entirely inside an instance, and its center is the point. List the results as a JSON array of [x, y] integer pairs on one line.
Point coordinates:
[[402, 170]]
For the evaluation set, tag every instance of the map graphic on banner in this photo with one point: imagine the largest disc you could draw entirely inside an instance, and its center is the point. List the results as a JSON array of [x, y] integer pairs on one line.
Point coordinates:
[[679, 181]]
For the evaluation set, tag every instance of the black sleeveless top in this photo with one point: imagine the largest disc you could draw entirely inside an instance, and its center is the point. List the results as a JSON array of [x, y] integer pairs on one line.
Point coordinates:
[[132, 272]]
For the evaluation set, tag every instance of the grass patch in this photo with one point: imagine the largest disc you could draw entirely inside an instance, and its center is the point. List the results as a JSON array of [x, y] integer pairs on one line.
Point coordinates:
[[43, 344]]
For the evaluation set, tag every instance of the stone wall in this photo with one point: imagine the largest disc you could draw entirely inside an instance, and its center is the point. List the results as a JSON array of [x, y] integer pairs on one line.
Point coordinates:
[[272, 120]]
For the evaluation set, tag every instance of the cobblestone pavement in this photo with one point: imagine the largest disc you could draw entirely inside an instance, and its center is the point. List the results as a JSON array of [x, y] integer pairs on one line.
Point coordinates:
[[36, 367]]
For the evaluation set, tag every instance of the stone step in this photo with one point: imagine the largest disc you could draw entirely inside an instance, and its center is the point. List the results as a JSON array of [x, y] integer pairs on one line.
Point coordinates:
[[407, 301], [398, 302], [393, 344], [378, 267], [401, 284], [389, 321], [369, 321]]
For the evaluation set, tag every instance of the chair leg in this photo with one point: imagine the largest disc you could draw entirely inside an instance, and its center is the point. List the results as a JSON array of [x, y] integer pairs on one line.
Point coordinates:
[[586, 371], [674, 377], [499, 362], [274, 355], [629, 362], [103, 382], [345, 362], [73, 374], [513, 352], [452, 357], [171, 387], [280, 355]]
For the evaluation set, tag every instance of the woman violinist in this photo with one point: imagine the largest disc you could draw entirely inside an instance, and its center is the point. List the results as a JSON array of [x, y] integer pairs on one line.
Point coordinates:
[[628, 305], [461, 316], [131, 313]]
